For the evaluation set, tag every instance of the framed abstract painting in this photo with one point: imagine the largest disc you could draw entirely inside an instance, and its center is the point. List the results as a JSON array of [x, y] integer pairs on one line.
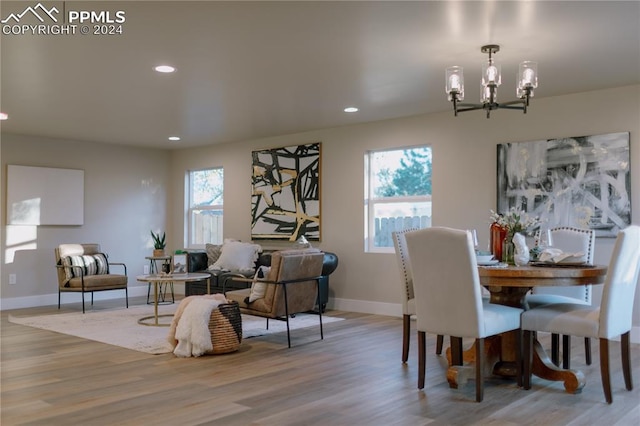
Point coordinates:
[[285, 193], [581, 181]]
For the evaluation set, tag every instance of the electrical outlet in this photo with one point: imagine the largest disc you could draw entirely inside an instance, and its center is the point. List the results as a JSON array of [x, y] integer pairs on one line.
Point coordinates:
[[12, 278], [146, 269]]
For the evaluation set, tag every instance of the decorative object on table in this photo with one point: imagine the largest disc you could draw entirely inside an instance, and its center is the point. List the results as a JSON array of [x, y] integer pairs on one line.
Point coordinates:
[[166, 268], [474, 237], [302, 242], [582, 182], [159, 243], [484, 257], [510, 223], [521, 256], [285, 195], [555, 255], [497, 234], [491, 79], [543, 240], [179, 264]]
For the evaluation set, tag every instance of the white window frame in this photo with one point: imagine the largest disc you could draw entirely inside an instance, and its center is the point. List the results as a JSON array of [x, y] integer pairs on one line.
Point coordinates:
[[192, 208], [371, 201]]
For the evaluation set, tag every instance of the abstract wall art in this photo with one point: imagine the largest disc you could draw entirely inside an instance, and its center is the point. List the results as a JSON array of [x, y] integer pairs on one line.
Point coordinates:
[[285, 193], [579, 181]]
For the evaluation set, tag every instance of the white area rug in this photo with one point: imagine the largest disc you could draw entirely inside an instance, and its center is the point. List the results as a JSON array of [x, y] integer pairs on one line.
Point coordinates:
[[120, 327]]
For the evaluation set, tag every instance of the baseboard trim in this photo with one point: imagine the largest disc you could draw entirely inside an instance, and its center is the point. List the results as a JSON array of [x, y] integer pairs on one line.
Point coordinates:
[[8, 303]]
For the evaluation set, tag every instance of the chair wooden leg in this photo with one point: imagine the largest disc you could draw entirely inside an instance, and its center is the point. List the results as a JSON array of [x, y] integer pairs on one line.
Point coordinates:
[[626, 360], [479, 375], [406, 329], [58, 299], [422, 355], [587, 350], [604, 369], [527, 358], [519, 356], [566, 352], [456, 350], [555, 349], [439, 343]]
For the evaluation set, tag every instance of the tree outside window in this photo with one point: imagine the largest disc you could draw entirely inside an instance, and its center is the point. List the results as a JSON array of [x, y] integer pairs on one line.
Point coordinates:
[[205, 214], [397, 194]]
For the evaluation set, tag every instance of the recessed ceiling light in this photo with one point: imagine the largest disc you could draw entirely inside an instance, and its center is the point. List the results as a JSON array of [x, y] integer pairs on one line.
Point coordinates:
[[165, 68], [4, 116], [174, 138], [351, 109]]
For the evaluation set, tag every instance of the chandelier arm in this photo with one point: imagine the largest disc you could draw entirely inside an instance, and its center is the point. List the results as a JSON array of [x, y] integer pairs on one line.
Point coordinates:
[[514, 102], [469, 107], [513, 106]]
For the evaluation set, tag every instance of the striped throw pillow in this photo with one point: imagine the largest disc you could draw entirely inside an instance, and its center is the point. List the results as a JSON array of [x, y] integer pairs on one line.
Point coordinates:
[[91, 264]]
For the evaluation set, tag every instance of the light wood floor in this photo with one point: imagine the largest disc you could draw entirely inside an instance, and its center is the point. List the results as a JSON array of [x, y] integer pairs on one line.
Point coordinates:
[[353, 377]]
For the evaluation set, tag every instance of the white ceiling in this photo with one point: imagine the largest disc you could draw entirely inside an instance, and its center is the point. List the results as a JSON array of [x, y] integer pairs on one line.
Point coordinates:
[[255, 69]]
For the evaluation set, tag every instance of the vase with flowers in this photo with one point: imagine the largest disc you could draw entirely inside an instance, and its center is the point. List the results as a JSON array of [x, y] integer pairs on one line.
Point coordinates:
[[513, 222]]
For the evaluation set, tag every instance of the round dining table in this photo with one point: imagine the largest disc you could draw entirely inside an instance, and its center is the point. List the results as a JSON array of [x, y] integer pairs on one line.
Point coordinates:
[[509, 286]]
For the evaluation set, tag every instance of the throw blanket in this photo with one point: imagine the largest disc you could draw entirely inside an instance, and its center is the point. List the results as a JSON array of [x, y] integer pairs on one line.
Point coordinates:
[[189, 332]]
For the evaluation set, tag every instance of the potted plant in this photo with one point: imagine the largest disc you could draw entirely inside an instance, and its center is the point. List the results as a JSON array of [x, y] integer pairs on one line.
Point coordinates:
[[158, 244]]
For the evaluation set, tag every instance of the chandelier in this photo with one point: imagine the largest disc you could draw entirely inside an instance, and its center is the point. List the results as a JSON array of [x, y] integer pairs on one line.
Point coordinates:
[[491, 79]]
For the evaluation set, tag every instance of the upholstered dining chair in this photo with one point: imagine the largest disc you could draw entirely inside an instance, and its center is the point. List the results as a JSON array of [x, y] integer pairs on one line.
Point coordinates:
[[611, 319], [570, 240], [406, 288], [448, 297]]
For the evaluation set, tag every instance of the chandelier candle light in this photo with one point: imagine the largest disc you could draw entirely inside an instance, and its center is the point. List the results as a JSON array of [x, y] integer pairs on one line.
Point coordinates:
[[491, 79]]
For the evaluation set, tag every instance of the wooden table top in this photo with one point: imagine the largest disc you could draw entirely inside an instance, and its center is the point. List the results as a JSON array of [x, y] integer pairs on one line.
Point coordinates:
[[532, 276]]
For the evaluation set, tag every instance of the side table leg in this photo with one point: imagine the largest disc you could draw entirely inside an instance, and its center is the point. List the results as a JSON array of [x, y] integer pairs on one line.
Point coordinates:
[[155, 301]]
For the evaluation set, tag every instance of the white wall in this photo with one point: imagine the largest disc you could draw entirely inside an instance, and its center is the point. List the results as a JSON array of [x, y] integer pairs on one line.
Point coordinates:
[[125, 193], [464, 178], [130, 190]]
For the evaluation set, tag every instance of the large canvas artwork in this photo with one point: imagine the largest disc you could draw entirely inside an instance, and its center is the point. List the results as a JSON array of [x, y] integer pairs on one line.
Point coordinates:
[[578, 181], [285, 197]]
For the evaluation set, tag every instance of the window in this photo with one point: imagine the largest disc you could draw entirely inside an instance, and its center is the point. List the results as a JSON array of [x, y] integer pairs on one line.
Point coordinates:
[[397, 194], [205, 207]]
